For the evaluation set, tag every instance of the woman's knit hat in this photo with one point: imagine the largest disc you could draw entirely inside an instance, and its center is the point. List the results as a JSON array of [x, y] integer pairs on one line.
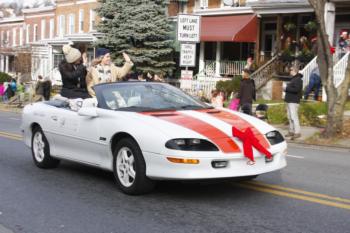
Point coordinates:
[[71, 54]]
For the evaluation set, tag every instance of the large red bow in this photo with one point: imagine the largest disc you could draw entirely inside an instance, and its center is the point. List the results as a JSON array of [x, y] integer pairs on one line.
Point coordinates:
[[249, 141]]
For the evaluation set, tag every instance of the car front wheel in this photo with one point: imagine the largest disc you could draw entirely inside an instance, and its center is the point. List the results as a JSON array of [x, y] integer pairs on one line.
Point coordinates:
[[41, 150], [129, 168]]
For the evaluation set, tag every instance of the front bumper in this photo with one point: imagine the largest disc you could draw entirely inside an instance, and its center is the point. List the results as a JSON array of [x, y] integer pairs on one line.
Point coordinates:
[[159, 168]]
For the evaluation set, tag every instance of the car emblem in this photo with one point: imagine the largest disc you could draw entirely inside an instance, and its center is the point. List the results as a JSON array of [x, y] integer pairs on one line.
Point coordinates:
[[250, 162]]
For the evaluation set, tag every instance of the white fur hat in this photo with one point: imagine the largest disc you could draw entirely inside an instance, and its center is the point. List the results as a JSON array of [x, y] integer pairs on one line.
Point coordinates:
[[71, 54]]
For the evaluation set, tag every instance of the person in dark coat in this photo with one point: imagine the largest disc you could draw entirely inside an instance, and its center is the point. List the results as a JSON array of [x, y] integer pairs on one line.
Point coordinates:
[[39, 88], [73, 72], [47, 89], [292, 98], [246, 93]]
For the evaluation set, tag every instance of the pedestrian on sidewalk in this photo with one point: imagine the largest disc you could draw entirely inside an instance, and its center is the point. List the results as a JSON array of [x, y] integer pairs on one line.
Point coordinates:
[[103, 70], [39, 89], [247, 92], [292, 98]]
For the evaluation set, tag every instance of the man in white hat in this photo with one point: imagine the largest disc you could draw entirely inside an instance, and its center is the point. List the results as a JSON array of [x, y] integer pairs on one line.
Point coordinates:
[[73, 72]]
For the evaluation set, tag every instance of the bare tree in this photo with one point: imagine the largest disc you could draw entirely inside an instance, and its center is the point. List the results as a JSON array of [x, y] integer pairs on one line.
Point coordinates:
[[336, 97]]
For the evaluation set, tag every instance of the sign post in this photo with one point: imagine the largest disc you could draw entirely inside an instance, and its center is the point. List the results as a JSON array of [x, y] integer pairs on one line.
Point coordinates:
[[188, 34]]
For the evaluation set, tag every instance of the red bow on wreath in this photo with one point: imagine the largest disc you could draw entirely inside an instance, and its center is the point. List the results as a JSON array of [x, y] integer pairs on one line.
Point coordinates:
[[249, 141]]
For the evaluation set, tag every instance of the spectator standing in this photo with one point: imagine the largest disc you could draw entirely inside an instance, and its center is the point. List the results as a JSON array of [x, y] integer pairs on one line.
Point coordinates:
[[247, 92], [250, 65], [39, 89], [314, 84], [14, 85], [217, 100], [103, 70], [47, 89], [73, 73], [292, 98], [343, 43], [2, 90]]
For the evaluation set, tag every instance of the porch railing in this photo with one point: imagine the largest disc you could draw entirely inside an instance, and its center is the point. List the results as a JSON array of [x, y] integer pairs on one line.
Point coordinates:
[[340, 69], [226, 67], [307, 71], [232, 67], [206, 85], [264, 73]]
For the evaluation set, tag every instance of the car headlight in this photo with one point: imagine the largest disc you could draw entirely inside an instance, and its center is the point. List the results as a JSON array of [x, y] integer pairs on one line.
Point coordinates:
[[274, 137], [190, 144]]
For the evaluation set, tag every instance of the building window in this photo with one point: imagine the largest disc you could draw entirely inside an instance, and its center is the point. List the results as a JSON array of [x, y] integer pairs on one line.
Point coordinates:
[[35, 33], [43, 29], [20, 36], [61, 25], [92, 20], [81, 20], [52, 28], [203, 3], [27, 33], [71, 24], [2, 39], [14, 36], [57, 58], [7, 38]]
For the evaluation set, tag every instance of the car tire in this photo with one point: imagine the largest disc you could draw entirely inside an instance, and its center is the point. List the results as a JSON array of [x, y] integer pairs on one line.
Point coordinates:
[[129, 168], [41, 150]]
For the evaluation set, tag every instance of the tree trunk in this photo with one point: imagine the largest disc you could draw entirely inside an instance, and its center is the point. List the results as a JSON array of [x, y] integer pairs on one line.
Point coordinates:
[[336, 97]]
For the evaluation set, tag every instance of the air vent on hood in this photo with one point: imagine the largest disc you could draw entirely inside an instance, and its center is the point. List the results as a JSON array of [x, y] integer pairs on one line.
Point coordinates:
[[214, 111], [164, 114]]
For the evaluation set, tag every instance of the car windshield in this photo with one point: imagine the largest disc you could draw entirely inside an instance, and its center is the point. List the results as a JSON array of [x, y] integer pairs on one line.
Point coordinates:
[[145, 96]]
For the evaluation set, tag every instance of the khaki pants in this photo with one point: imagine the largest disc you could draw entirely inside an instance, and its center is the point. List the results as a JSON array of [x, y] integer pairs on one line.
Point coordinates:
[[292, 112]]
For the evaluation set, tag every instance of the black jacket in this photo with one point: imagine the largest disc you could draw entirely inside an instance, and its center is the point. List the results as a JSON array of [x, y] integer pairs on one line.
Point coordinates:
[[247, 93], [73, 79], [294, 89]]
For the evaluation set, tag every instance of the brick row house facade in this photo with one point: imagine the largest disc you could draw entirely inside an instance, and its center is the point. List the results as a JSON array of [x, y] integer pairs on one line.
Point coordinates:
[[41, 32], [231, 31]]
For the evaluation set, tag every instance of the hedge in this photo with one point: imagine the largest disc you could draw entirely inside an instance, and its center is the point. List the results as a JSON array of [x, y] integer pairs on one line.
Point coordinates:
[[4, 77]]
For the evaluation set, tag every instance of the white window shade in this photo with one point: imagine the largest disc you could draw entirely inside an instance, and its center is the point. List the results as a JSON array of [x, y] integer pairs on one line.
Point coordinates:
[[71, 24], [43, 29], [81, 20]]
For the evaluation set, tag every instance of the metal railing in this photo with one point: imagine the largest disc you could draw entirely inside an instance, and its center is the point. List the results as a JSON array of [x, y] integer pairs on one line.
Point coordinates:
[[232, 67], [264, 73], [226, 67], [307, 71], [340, 69]]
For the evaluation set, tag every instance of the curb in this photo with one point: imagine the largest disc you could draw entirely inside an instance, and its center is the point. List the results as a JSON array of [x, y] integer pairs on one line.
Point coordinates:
[[309, 145]]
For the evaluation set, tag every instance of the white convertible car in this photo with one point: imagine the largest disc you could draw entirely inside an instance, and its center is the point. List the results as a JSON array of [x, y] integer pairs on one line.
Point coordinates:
[[144, 132]]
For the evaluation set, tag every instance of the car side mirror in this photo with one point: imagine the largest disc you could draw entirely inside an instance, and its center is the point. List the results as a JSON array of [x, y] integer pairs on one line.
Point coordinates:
[[88, 112]]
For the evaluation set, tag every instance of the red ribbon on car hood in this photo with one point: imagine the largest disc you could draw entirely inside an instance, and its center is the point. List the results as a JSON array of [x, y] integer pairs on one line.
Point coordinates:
[[249, 141]]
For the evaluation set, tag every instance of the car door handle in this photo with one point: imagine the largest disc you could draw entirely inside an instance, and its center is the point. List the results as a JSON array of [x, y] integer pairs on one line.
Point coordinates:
[[54, 118]]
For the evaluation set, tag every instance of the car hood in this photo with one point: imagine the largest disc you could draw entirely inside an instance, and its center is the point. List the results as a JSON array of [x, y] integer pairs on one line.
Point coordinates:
[[213, 124]]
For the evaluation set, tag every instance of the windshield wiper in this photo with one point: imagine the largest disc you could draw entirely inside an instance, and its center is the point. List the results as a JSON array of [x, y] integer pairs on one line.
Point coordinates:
[[194, 107], [135, 109]]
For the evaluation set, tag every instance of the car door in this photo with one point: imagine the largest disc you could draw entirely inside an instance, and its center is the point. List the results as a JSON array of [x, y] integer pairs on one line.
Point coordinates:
[[76, 138]]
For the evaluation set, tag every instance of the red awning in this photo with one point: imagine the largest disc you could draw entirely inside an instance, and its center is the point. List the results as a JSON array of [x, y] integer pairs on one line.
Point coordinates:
[[232, 28]]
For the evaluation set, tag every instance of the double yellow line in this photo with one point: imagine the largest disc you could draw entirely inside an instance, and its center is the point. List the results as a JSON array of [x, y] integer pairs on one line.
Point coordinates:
[[296, 194], [11, 136]]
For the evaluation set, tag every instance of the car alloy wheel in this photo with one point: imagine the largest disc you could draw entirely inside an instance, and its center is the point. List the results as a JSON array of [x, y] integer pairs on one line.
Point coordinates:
[[41, 150], [125, 167], [38, 147], [129, 168]]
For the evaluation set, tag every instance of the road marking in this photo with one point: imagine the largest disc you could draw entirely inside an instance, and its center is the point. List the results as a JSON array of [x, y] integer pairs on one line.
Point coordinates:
[[16, 119], [296, 156], [296, 196], [299, 191], [11, 136]]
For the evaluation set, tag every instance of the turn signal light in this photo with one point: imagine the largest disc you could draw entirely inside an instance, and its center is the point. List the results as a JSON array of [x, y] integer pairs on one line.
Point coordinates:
[[186, 161]]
